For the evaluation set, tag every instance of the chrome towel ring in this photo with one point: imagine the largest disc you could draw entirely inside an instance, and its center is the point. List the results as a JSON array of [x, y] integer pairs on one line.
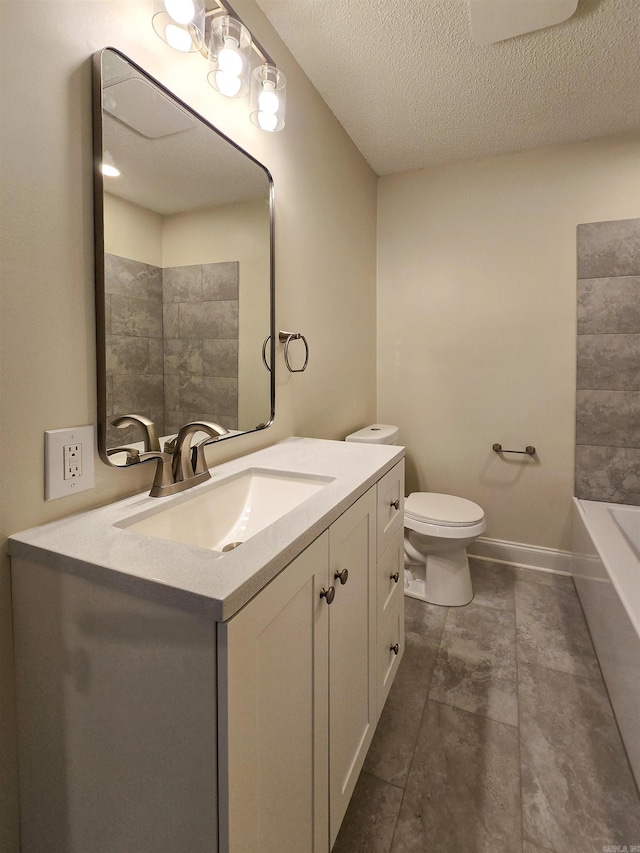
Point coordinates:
[[286, 338]]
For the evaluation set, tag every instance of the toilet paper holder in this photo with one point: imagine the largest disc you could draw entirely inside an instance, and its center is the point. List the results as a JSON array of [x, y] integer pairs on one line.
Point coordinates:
[[529, 450]]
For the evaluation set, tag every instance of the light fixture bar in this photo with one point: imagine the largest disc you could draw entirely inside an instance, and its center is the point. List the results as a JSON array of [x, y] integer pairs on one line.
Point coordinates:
[[212, 28], [222, 7]]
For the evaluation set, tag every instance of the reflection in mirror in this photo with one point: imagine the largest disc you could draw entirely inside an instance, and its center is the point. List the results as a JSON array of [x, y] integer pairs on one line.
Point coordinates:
[[184, 278]]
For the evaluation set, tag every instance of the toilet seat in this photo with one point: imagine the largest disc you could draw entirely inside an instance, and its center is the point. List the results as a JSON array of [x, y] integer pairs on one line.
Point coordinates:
[[446, 516], [442, 509]]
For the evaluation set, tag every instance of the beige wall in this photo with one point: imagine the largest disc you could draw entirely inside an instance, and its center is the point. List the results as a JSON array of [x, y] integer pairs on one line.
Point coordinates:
[[325, 262], [132, 231], [477, 323]]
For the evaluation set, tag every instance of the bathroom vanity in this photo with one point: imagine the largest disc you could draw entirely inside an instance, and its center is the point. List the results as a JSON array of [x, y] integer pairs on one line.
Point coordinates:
[[177, 698]]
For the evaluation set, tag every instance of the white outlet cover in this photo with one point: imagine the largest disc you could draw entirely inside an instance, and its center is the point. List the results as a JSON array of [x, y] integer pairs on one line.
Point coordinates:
[[55, 485]]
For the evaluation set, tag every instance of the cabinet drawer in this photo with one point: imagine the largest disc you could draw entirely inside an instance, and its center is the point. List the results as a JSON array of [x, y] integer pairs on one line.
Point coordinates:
[[387, 660], [390, 506], [389, 591]]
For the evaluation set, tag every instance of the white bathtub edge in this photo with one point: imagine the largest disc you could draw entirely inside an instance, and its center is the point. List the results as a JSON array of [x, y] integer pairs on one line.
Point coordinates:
[[616, 554]]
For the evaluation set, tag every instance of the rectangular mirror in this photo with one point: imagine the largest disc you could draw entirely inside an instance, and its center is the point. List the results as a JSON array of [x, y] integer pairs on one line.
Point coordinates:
[[184, 267]]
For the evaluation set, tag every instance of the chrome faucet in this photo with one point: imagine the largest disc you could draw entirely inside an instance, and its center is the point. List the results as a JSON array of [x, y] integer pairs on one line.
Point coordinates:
[[189, 464], [148, 429], [180, 466]]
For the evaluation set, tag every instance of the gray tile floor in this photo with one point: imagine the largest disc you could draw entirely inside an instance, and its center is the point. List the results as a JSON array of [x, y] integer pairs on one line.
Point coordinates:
[[497, 734]]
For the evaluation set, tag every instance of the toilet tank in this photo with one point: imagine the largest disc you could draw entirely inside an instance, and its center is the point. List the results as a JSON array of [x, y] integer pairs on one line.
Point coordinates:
[[376, 434]]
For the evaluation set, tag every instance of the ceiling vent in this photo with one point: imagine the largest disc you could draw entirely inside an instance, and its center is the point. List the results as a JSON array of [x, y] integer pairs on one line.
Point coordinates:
[[143, 108], [496, 20]]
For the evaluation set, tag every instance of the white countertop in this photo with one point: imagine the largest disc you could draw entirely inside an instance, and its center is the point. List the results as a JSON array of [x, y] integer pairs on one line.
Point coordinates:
[[195, 579]]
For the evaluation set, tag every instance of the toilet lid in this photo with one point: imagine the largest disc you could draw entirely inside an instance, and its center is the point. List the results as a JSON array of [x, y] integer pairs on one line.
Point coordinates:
[[446, 510]]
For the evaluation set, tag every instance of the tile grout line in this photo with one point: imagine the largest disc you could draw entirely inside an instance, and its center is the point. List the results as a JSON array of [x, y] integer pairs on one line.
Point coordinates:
[[487, 606], [596, 678], [515, 639], [380, 779], [404, 789], [527, 839], [424, 711], [475, 713], [578, 603]]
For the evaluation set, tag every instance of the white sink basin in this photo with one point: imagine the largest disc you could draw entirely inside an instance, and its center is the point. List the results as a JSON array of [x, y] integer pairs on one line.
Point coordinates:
[[228, 513]]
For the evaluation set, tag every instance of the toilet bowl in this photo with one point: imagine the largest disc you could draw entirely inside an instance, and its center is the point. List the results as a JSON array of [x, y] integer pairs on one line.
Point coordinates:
[[438, 530]]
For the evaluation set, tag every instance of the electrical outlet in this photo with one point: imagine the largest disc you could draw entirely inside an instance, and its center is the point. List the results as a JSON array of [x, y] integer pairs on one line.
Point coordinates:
[[72, 461], [68, 461]]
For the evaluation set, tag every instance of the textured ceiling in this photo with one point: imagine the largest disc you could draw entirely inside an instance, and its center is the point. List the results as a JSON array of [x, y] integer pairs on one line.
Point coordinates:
[[412, 88]]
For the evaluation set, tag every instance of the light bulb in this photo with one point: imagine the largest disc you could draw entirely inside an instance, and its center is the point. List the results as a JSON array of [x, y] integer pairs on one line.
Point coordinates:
[[268, 101], [182, 11], [228, 84], [267, 121], [110, 171], [229, 60], [178, 38]]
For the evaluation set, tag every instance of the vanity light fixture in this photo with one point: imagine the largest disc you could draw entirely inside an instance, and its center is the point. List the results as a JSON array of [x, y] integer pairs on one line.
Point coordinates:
[[193, 26], [181, 24], [229, 57], [268, 98]]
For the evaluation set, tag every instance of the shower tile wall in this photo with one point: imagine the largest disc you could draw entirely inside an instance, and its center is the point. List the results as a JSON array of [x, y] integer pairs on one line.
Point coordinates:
[[133, 297], [172, 344], [201, 344], [608, 377]]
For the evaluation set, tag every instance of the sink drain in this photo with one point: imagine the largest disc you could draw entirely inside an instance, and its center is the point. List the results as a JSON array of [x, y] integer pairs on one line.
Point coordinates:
[[231, 546]]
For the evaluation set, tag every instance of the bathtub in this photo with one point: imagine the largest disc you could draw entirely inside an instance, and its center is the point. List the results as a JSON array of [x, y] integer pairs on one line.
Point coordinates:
[[606, 548]]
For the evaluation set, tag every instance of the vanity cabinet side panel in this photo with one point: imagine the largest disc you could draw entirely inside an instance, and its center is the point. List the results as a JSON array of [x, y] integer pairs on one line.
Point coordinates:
[[352, 651], [116, 719], [273, 714]]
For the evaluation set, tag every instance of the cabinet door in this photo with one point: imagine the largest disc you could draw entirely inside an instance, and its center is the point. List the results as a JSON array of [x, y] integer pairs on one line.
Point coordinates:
[[390, 506], [352, 617], [390, 652], [390, 585], [273, 736]]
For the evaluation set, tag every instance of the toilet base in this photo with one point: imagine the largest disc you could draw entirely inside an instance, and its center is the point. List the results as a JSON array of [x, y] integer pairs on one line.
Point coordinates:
[[443, 579]]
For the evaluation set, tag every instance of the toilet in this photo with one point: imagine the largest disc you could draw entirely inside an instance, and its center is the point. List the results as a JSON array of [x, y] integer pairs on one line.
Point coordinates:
[[438, 530]]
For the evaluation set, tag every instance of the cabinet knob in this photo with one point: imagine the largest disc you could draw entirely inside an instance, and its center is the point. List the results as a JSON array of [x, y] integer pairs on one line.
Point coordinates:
[[395, 504], [395, 648], [329, 594], [395, 577], [342, 576]]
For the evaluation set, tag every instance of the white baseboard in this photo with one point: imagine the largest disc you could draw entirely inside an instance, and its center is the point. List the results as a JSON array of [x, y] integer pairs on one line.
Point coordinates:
[[525, 556]]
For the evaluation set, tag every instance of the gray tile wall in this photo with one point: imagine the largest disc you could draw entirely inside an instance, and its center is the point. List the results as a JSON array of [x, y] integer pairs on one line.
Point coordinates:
[[201, 344], [172, 344], [608, 377], [133, 294]]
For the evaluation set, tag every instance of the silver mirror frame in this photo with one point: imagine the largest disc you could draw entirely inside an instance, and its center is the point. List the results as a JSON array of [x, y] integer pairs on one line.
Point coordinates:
[[100, 284]]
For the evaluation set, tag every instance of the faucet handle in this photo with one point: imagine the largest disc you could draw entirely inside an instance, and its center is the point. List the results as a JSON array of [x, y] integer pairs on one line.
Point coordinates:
[[148, 429], [133, 454], [170, 445], [164, 473]]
